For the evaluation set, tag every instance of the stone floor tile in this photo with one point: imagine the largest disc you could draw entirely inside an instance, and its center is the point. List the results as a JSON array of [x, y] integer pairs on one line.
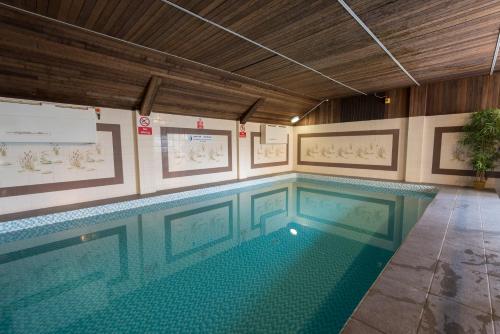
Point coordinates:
[[442, 315], [412, 269], [389, 300], [421, 246], [462, 286], [473, 238], [357, 327], [492, 240], [430, 233], [495, 294], [465, 221], [459, 256], [493, 262]]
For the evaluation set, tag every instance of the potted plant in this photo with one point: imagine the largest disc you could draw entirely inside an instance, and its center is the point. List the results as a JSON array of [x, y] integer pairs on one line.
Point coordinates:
[[482, 139]]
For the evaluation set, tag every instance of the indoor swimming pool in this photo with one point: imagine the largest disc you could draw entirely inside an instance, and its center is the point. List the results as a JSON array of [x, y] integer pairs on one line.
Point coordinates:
[[294, 255]]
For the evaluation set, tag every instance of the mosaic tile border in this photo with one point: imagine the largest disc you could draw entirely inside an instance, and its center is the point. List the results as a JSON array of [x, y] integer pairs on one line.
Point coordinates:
[[71, 219]]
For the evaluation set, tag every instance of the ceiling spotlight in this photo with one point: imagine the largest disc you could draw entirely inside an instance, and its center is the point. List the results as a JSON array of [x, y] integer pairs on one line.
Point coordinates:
[[295, 119]]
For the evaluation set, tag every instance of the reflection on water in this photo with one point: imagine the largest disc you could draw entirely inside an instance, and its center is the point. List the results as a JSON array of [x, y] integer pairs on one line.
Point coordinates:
[[284, 257]]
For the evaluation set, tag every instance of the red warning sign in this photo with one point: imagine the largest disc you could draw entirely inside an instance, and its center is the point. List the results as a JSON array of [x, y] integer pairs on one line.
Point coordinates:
[[243, 132], [199, 124], [144, 126]]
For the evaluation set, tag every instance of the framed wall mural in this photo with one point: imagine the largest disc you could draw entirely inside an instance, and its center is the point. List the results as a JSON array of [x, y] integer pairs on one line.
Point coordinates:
[[267, 155], [195, 151], [449, 157], [191, 231], [372, 149], [29, 168]]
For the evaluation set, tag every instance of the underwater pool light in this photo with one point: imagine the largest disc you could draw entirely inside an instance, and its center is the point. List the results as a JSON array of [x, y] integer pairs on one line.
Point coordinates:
[[293, 231]]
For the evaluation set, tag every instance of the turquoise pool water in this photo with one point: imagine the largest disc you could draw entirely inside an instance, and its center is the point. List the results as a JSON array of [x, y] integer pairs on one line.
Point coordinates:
[[281, 257]]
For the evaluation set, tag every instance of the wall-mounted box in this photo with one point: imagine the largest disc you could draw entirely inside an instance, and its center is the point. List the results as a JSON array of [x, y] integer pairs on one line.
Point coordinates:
[[46, 123], [273, 134]]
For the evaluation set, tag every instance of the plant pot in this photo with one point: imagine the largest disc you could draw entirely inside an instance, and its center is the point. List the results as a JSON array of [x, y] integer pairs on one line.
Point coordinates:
[[478, 185]]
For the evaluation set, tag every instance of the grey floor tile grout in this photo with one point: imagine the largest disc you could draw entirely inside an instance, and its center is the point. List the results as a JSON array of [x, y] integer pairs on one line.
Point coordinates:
[[437, 260], [486, 263]]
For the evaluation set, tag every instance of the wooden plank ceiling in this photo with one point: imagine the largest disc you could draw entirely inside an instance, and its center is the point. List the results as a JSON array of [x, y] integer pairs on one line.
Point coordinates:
[[433, 40]]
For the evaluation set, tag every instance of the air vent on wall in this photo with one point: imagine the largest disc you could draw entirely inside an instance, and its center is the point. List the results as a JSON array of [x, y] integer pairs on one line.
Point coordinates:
[[46, 123], [273, 134]]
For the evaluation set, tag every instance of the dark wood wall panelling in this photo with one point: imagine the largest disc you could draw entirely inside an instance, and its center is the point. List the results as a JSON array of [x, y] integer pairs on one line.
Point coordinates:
[[436, 98], [456, 96], [463, 95], [361, 108]]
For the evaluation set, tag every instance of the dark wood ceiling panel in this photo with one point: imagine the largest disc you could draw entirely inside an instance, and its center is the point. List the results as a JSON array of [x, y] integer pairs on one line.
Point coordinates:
[[45, 60], [283, 73], [435, 39], [319, 34]]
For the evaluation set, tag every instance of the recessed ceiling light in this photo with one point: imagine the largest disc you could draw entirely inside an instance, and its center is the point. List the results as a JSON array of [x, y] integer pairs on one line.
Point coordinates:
[[295, 119]]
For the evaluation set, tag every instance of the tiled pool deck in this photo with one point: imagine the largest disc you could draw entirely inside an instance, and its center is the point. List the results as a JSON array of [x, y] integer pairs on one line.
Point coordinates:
[[445, 278]]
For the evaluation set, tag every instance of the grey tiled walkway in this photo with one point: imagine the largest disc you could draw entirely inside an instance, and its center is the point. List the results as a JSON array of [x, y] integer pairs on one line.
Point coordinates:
[[445, 278]]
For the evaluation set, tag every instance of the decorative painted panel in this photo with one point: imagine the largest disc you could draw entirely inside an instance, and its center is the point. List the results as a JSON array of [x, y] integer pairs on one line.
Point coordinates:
[[366, 215], [267, 155], [195, 151], [449, 157], [373, 149], [191, 231], [268, 204], [39, 167]]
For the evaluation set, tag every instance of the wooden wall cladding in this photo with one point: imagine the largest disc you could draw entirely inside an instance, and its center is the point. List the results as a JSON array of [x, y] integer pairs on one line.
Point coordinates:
[[463, 95], [327, 112], [46, 60], [399, 106], [456, 96], [361, 108]]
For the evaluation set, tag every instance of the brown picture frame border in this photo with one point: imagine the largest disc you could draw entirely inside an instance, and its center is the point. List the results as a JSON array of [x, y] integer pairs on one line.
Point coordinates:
[[436, 154], [165, 131], [70, 185], [395, 149], [253, 165]]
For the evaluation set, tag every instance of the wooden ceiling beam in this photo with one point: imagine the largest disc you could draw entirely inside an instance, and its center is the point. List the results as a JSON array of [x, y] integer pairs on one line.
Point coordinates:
[[150, 96], [244, 118]]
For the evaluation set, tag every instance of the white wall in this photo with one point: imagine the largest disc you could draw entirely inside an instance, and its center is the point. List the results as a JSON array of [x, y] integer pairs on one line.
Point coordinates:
[[142, 160], [49, 199], [386, 124], [168, 120], [246, 169], [421, 149]]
